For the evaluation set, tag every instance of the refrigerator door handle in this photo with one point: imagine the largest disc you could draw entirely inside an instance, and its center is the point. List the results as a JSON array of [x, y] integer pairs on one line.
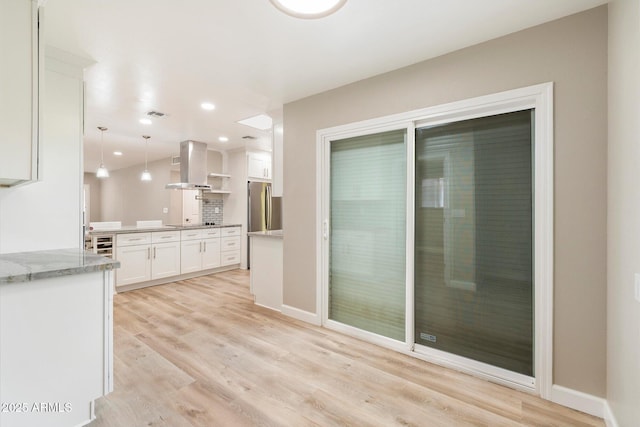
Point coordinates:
[[268, 207]]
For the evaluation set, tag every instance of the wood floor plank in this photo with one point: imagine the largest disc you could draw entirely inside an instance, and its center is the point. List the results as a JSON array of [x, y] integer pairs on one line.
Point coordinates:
[[199, 353]]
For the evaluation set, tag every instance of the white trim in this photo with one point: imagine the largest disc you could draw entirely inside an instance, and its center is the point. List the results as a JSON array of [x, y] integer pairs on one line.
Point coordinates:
[[609, 418], [473, 367], [409, 239], [538, 97], [305, 316], [583, 402], [367, 336]]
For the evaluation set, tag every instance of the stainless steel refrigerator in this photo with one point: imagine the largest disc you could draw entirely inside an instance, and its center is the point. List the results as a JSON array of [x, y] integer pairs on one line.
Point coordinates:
[[264, 211]]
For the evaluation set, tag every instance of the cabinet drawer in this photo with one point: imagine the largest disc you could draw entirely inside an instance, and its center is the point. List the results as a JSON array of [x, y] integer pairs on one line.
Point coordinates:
[[209, 233], [165, 236], [230, 231], [191, 234], [228, 258], [130, 239], [230, 243]]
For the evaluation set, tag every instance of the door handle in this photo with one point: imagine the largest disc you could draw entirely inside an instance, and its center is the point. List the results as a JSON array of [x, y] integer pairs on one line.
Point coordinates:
[[154, 252], [325, 229], [205, 247], [148, 253]]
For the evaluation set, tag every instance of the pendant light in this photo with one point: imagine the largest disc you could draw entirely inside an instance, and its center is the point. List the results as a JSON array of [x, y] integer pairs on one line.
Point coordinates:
[[146, 176], [102, 172]]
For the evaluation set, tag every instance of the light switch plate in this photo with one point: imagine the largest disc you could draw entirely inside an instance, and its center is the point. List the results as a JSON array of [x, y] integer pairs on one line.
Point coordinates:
[[165, 210], [637, 286]]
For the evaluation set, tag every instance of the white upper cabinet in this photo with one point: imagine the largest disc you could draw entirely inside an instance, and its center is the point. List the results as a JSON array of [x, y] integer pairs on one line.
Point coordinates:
[[259, 166], [20, 78]]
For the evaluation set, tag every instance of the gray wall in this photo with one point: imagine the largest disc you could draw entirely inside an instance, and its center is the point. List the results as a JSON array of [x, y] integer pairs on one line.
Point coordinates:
[[623, 313], [95, 196], [125, 198], [572, 52]]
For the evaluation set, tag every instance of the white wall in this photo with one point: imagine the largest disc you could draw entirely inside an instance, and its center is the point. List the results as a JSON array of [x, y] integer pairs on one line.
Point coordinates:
[[47, 214], [623, 230]]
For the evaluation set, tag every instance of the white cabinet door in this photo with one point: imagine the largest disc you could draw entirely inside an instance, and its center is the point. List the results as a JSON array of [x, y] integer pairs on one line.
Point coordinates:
[[135, 264], [165, 260], [259, 166], [190, 256], [19, 82], [211, 253]]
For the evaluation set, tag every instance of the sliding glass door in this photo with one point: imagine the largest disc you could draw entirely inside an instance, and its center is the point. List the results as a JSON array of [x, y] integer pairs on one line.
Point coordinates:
[[435, 234], [473, 258], [367, 233]]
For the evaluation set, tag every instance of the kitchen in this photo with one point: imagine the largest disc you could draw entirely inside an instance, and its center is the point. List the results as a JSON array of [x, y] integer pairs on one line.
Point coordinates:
[[29, 220]]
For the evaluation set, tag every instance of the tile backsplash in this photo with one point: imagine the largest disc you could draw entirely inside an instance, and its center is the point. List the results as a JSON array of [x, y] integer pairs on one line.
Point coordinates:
[[209, 213]]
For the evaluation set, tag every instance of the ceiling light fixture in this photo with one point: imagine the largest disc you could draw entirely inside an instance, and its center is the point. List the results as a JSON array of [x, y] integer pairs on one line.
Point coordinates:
[[207, 106], [223, 139], [102, 172], [117, 153], [146, 176], [306, 9], [146, 121], [261, 121]]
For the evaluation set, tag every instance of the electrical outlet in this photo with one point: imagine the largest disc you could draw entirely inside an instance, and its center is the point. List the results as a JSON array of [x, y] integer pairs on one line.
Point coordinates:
[[217, 210], [165, 210], [637, 287]]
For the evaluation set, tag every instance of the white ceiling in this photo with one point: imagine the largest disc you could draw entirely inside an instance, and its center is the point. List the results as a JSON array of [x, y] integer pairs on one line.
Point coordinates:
[[248, 58]]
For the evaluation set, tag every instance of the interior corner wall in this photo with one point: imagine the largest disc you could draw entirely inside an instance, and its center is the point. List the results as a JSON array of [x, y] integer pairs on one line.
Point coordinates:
[[623, 258], [572, 53]]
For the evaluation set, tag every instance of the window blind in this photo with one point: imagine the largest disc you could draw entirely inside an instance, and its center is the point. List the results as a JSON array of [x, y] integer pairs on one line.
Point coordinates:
[[367, 233]]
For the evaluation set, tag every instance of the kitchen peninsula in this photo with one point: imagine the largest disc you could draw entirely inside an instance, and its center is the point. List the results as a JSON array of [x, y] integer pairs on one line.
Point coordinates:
[[56, 330], [266, 268], [154, 255]]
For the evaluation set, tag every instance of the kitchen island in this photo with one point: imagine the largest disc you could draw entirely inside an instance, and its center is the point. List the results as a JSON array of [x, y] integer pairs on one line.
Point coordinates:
[[56, 335], [266, 268], [155, 255]]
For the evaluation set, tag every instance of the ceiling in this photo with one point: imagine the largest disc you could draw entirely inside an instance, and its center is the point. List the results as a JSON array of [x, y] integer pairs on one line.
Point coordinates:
[[248, 58]]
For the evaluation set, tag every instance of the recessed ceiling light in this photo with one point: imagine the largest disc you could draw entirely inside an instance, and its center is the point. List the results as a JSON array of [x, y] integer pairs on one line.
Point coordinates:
[[207, 106], [308, 9], [223, 139], [261, 121], [117, 153], [146, 121]]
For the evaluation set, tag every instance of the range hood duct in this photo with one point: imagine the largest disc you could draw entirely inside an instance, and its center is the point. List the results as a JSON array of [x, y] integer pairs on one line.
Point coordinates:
[[193, 167]]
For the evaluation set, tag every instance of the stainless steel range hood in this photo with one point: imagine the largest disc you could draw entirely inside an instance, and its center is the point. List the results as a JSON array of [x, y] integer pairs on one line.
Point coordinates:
[[193, 167]]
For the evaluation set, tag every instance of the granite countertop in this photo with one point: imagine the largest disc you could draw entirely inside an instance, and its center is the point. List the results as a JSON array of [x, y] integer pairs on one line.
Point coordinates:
[[134, 229], [278, 234], [29, 266]]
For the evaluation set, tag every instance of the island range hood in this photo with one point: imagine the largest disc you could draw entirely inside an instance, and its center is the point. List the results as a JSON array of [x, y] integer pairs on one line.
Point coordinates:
[[193, 167]]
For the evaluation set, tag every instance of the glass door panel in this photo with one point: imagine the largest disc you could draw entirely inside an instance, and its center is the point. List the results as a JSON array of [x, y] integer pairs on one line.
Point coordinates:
[[367, 233], [473, 239]]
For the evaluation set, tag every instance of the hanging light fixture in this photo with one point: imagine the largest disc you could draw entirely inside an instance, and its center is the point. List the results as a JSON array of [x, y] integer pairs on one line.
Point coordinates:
[[102, 172], [146, 176], [308, 9]]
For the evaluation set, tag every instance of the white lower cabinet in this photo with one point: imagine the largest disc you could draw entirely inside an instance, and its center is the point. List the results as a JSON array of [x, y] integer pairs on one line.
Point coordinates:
[[230, 245], [200, 250], [147, 256], [165, 254]]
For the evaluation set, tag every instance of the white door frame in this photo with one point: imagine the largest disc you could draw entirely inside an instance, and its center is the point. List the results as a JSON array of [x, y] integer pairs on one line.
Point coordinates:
[[537, 97]]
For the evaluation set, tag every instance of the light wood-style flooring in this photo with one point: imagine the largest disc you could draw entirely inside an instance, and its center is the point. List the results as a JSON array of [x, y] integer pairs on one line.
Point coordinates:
[[199, 353]]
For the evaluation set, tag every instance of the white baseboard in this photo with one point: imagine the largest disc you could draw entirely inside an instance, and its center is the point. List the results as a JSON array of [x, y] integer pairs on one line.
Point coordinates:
[[609, 418], [583, 402], [305, 316]]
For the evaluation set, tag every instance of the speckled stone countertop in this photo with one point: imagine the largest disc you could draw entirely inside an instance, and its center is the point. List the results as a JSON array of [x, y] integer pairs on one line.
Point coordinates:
[[29, 266], [134, 229], [269, 233]]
